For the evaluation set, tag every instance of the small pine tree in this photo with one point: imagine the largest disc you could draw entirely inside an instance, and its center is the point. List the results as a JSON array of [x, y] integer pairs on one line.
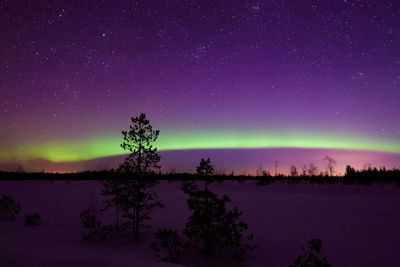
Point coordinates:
[[350, 171], [171, 243], [311, 256], [233, 229], [139, 142], [198, 227], [9, 208], [205, 169], [212, 226]]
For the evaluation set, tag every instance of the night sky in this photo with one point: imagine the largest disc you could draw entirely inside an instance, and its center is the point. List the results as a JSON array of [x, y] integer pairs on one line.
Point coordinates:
[[208, 74]]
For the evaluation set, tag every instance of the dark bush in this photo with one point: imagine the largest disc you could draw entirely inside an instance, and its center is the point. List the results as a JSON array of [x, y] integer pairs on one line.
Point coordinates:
[[311, 256], [32, 220], [96, 230], [8, 207]]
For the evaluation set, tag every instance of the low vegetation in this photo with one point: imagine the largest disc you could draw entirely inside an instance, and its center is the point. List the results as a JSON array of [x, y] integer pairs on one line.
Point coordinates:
[[311, 255], [169, 245], [95, 228], [9, 208], [367, 176], [32, 219]]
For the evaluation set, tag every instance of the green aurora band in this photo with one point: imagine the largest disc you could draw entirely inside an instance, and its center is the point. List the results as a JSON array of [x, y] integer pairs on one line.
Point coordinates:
[[110, 146]]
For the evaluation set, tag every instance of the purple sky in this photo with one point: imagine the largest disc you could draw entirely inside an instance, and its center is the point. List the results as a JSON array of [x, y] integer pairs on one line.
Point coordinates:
[[77, 70]]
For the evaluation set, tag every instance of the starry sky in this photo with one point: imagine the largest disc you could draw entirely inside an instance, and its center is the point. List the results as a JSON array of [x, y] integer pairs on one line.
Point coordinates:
[[303, 74]]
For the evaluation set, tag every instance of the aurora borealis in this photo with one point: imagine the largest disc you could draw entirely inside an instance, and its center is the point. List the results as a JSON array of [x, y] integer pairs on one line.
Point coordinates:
[[209, 74], [76, 151]]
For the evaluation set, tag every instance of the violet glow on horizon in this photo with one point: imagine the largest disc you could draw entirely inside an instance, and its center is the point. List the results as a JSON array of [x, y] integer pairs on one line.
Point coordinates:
[[324, 73], [226, 161]]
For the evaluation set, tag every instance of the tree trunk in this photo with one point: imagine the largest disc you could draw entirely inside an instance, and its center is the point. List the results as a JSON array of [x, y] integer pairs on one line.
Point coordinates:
[[133, 224], [207, 241], [137, 221], [117, 208]]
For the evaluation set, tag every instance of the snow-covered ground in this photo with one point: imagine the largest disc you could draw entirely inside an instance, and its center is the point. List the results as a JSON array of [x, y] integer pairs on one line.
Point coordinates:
[[358, 225]]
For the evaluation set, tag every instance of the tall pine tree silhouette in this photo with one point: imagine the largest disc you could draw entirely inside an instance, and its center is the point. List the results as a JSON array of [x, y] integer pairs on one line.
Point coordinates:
[[134, 193]]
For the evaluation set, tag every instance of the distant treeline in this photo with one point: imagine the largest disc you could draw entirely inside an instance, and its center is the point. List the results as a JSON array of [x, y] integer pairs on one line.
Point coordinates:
[[352, 176]]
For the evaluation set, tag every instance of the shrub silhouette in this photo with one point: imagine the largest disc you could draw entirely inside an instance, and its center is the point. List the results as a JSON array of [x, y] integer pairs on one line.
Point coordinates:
[[96, 230], [171, 243], [266, 179], [311, 256], [312, 170], [32, 220], [293, 171], [9, 208], [330, 165]]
